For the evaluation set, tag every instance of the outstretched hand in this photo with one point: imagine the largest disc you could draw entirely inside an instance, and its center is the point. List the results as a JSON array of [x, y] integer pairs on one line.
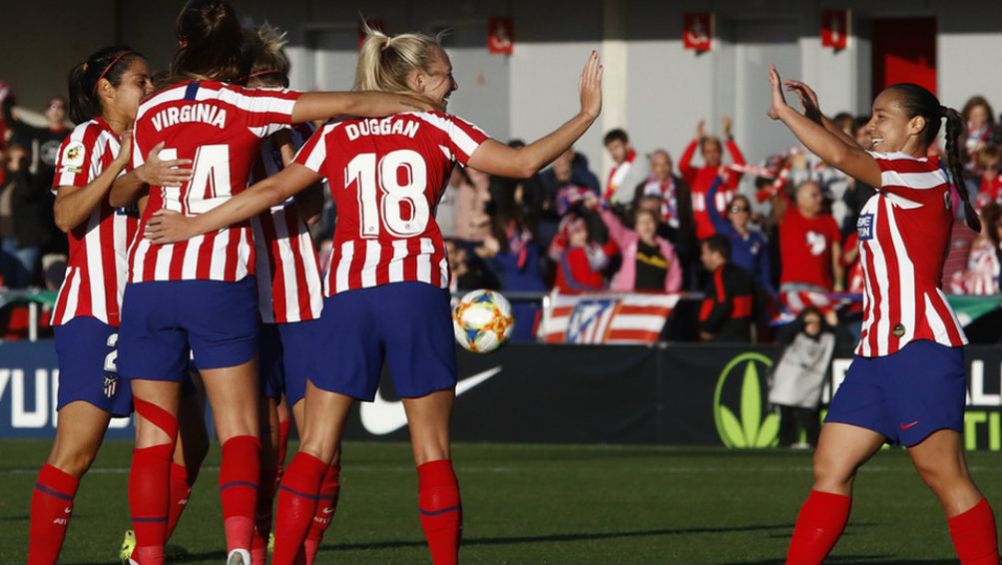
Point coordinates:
[[590, 87], [808, 98], [700, 130], [168, 226], [778, 100]]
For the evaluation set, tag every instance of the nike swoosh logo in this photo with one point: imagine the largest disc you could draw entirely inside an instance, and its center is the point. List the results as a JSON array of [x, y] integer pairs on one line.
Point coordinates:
[[381, 416], [908, 426]]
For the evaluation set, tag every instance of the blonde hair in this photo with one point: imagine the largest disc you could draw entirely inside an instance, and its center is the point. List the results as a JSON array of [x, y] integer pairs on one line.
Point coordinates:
[[265, 51], [385, 62]]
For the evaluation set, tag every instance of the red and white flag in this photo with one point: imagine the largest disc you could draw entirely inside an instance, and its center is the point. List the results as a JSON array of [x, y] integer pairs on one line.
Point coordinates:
[[606, 317]]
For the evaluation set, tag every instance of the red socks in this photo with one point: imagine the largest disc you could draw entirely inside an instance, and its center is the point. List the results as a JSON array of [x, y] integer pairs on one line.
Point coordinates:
[[238, 482], [149, 500], [263, 514], [181, 481], [283, 443], [324, 515], [974, 535], [441, 510], [297, 504], [819, 525], [51, 506]]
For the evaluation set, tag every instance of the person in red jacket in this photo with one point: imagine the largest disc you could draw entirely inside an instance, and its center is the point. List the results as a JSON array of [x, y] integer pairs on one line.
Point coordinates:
[[580, 261], [700, 178]]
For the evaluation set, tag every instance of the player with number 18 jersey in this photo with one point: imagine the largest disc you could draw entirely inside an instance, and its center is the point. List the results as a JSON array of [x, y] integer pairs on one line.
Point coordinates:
[[386, 177]]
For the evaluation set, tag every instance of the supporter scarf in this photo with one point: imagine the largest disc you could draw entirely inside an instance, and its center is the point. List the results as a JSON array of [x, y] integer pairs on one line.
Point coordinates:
[[618, 174]]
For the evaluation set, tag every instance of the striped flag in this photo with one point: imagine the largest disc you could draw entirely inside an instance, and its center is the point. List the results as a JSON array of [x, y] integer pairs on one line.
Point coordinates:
[[606, 317]]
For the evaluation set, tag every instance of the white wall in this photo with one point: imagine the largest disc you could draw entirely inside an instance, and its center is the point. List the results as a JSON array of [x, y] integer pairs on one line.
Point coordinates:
[[657, 90]]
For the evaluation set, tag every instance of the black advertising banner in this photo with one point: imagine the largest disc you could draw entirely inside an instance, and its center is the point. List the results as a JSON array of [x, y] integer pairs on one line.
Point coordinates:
[[673, 394], [704, 394], [539, 393]]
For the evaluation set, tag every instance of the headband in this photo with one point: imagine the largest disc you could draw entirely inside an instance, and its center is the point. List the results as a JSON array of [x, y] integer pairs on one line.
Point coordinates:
[[108, 68], [264, 72]]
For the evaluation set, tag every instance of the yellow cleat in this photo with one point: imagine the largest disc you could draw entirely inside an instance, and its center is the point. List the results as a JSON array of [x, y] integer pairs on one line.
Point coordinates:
[[271, 543], [128, 546]]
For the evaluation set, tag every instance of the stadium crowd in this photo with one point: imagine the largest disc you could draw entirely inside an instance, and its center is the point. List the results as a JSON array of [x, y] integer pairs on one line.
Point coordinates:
[[785, 229]]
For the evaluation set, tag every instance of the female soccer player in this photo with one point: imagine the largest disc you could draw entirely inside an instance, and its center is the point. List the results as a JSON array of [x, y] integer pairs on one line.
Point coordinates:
[[386, 290], [290, 294], [906, 384], [199, 295], [104, 94]]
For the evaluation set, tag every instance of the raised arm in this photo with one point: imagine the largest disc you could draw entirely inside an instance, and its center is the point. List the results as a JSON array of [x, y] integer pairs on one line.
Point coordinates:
[[75, 203], [496, 158], [169, 227], [812, 109], [719, 222], [313, 106], [850, 159]]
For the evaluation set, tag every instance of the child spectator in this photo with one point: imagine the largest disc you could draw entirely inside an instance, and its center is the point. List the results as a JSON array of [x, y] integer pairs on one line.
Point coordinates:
[[728, 311], [700, 178], [649, 262], [799, 376], [580, 261]]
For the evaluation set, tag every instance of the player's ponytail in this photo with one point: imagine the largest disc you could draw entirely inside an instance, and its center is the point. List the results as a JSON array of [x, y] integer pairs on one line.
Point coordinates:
[[385, 62], [209, 43], [85, 79], [954, 129], [918, 101]]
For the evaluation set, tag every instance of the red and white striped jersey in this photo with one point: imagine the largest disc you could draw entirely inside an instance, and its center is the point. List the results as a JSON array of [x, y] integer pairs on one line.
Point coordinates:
[[288, 270], [220, 128], [904, 231], [98, 261], [386, 177]]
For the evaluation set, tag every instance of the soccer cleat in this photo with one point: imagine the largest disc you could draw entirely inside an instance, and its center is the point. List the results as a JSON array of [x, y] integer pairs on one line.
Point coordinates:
[[128, 546], [271, 543], [239, 557]]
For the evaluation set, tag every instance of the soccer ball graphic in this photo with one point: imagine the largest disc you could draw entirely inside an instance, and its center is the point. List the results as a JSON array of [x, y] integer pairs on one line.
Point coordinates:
[[482, 321]]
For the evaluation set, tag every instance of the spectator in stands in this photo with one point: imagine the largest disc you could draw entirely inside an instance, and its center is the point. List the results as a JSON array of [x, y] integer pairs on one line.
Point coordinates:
[[471, 190], [727, 313], [649, 262], [857, 194], [673, 196], [465, 276], [22, 217], [6, 115], [700, 178], [810, 244], [627, 170], [580, 259], [983, 266], [799, 377], [43, 144], [988, 161], [980, 119], [569, 175], [749, 249]]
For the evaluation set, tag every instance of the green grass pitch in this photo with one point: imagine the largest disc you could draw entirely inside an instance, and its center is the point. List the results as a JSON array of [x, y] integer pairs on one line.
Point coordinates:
[[531, 504]]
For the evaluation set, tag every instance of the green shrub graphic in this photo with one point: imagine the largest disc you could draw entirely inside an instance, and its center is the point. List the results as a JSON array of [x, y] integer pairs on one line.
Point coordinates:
[[750, 430]]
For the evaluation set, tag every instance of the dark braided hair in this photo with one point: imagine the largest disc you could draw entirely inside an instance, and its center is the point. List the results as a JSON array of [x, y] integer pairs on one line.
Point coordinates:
[[917, 101]]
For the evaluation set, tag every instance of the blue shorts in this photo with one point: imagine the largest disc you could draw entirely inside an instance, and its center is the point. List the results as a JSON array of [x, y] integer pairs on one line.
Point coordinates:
[[287, 357], [86, 350], [906, 395], [162, 321], [408, 323]]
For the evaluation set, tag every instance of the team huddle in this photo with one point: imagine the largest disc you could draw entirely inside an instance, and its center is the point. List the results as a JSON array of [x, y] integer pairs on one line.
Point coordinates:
[[192, 277], [192, 274]]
